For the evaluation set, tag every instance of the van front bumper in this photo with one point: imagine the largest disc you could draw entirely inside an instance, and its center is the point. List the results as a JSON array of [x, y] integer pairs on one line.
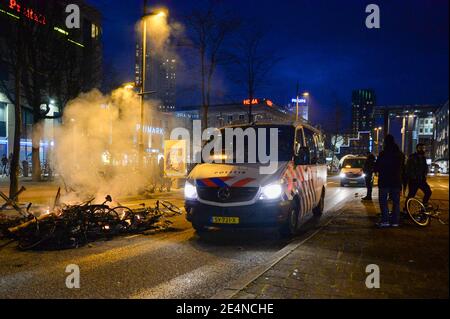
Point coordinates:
[[358, 181], [260, 214]]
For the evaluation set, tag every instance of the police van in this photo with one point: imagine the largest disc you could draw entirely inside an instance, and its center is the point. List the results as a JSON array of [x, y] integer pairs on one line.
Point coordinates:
[[237, 194]]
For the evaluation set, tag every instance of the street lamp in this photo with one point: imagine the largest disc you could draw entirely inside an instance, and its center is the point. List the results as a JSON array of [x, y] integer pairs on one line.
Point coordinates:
[[305, 95], [162, 14], [128, 86], [378, 129], [406, 120]]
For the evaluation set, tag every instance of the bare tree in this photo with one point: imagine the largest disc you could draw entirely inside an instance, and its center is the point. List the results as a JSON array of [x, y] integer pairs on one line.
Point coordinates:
[[11, 58], [50, 67], [209, 28], [253, 62]]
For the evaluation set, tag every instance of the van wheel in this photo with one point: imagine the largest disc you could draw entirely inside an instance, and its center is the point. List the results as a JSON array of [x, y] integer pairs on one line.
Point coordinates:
[[318, 210], [289, 228], [199, 228]]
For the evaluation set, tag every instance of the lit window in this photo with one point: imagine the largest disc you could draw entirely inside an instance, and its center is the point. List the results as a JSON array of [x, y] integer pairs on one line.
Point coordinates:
[[95, 30]]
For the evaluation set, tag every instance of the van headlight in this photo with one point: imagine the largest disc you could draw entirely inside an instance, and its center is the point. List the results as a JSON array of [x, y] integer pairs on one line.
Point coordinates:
[[190, 191], [271, 191]]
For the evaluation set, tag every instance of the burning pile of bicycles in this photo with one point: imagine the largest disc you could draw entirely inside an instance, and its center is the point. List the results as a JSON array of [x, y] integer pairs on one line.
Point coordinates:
[[71, 226]]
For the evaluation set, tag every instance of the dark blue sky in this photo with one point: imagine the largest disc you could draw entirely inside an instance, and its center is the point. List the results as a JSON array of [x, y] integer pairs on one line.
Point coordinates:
[[324, 45]]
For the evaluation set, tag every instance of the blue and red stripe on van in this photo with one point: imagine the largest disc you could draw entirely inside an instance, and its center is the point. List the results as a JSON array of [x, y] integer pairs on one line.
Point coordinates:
[[222, 182]]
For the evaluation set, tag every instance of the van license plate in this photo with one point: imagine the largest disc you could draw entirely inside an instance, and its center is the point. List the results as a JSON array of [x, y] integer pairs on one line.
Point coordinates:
[[225, 220]]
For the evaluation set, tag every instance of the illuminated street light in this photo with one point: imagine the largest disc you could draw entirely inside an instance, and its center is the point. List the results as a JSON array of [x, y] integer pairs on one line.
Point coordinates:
[[128, 86], [160, 13], [378, 129]]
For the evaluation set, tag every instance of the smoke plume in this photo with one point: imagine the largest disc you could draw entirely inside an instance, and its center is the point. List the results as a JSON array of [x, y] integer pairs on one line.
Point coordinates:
[[96, 148]]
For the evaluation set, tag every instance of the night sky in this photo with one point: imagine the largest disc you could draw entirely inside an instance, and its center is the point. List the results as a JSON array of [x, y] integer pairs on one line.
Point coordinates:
[[322, 44]]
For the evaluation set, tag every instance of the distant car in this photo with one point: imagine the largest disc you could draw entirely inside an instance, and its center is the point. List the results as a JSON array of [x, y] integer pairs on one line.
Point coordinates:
[[351, 173], [435, 168], [439, 166]]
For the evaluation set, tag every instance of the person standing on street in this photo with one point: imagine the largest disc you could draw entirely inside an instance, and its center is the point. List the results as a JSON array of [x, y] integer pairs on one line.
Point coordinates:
[[4, 165], [368, 168], [389, 166], [416, 175]]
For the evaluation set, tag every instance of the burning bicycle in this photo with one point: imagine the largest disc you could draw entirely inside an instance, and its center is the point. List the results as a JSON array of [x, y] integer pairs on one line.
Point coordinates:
[[71, 226]]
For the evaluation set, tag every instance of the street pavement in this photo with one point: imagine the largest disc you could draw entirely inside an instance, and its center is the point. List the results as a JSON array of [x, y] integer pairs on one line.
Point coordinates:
[[179, 264], [412, 261]]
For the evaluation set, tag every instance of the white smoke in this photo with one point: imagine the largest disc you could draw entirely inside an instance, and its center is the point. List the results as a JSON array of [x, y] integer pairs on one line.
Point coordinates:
[[96, 148]]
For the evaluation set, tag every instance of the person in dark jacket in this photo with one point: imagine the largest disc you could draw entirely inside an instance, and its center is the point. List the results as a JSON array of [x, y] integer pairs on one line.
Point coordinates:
[[4, 165], [416, 174], [368, 168], [389, 167]]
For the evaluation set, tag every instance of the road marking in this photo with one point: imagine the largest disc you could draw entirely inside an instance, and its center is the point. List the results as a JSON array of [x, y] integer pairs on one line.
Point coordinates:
[[189, 281], [132, 236]]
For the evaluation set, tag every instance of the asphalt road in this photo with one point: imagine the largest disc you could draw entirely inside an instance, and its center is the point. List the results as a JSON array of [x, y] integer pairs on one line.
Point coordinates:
[[174, 264]]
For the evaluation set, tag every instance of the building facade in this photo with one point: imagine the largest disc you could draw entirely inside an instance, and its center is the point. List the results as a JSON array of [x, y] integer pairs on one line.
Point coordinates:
[[161, 75], [303, 107], [441, 133], [84, 45], [346, 144], [263, 111], [416, 122], [363, 104]]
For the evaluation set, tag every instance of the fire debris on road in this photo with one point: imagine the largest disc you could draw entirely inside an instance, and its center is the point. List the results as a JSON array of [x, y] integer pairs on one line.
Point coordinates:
[[72, 226]]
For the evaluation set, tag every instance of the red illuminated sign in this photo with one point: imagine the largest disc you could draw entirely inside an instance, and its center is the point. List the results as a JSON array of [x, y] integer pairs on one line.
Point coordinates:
[[28, 13], [253, 102], [256, 101]]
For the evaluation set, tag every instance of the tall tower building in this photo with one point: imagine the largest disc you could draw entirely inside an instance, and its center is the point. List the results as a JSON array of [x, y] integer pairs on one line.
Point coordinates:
[[160, 76], [363, 104]]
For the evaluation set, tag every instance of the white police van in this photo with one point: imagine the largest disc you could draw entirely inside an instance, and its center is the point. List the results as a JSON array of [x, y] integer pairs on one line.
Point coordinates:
[[238, 195]]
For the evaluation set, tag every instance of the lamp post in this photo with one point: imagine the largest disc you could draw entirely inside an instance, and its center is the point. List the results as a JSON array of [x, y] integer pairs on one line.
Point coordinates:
[[296, 112], [142, 93], [304, 95], [403, 133], [378, 129]]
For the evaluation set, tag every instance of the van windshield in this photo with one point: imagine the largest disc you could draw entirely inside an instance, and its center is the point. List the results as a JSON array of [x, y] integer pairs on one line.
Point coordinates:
[[283, 136], [354, 163]]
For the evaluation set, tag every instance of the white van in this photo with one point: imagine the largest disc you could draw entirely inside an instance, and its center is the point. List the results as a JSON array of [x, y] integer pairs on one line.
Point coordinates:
[[351, 171], [237, 195]]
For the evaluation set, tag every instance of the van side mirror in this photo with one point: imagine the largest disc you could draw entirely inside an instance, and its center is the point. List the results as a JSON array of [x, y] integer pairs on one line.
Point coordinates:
[[302, 158]]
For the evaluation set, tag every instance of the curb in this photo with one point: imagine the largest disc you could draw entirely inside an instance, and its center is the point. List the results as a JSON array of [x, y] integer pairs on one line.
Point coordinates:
[[243, 281]]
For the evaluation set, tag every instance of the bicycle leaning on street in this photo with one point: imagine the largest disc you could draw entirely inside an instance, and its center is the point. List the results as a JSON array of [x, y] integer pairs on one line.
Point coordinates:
[[422, 214]]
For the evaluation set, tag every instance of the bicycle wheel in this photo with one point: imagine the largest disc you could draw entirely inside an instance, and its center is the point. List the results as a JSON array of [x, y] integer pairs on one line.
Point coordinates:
[[417, 212], [170, 209]]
